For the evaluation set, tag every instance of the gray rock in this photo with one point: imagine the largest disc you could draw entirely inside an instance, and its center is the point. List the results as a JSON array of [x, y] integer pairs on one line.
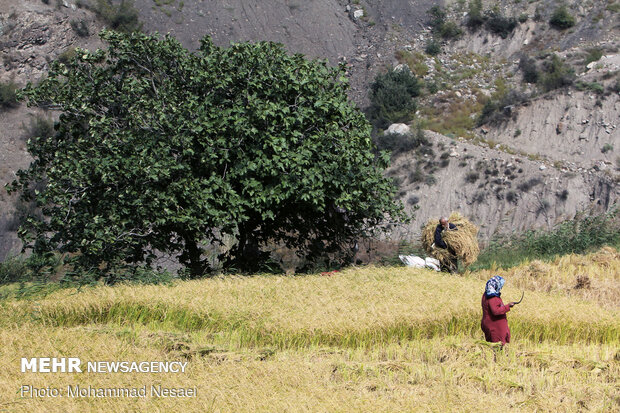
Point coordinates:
[[398, 129]]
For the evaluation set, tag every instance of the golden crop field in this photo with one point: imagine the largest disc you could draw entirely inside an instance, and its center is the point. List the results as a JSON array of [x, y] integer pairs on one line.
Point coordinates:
[[371, 339]]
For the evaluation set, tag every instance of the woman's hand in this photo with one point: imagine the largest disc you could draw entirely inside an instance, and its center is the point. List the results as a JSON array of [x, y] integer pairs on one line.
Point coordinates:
[[511, 304]]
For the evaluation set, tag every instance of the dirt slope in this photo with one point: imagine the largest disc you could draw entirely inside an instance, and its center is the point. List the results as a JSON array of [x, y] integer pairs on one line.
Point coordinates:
[[565, 142]]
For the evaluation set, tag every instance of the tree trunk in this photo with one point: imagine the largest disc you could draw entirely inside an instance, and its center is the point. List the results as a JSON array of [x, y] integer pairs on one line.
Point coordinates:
[[191, 257]]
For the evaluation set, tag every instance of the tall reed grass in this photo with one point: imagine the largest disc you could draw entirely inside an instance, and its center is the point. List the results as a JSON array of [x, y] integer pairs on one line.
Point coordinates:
[[585, 233]]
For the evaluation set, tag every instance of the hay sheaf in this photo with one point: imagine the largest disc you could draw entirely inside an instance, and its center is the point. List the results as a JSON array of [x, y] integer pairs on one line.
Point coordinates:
[[463, 241]]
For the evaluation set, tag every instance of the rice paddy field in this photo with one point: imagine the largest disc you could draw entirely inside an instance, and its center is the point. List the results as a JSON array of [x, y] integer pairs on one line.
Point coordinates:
[[371, 339]]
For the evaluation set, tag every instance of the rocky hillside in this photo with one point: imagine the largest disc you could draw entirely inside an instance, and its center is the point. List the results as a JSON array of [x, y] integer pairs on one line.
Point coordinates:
[[521, 114]]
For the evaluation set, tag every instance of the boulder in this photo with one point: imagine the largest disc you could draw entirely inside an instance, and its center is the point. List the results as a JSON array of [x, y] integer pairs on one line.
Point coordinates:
[[398, 129]]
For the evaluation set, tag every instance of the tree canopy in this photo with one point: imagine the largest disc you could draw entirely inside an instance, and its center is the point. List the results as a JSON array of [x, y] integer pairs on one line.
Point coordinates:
[[160, 150]]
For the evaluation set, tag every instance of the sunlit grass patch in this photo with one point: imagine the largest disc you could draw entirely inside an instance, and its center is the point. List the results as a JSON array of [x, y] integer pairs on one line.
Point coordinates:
[[366, 339], [355, 308]]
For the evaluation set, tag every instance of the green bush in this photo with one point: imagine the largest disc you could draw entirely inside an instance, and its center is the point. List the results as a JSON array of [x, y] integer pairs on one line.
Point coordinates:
[[67, 55], [8, 94], [80, 28], [590, 86], [123, 17], [471, 177], [607, 148], [13, 269], [437, 17], [450, 30], [433, 47], [529, 69], [561, 19], [499, 109], [432, 87], [397, 144], [592, 55], [497, 23], [556, 74], [475, 19], [441, 27], [392, 97]]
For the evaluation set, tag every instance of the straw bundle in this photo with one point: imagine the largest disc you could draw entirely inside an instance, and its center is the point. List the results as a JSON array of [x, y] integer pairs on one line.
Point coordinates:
[[463, 242]]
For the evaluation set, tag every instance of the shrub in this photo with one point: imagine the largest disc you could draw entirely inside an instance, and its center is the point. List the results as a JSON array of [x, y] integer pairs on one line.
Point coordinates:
[[499, 109], [39, 127], [592, 55], [397, 144], [433, 48], [529, 184], [413, 200], [561, 19], [66, 56], [471, 177], [415, 62], [13, 269], [123, 17], [416, 175], [432, 87], [562, 195], [523, 17], [391, 97], [529, 69], [499, 24], [538, 13], [8, 94], [80, 28], [512, 197], [450, 30], [591, 86], [437, 17], [608, 147], [439, 25], [475, 18], [479, 197], [556, 74]]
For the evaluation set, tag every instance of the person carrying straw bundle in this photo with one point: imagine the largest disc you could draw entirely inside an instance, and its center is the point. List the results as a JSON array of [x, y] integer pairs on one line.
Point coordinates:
[[452, 239]]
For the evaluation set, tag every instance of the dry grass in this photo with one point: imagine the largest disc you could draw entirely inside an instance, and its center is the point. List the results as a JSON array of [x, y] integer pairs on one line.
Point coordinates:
[[593, 277], [444, 374], [367, 339]]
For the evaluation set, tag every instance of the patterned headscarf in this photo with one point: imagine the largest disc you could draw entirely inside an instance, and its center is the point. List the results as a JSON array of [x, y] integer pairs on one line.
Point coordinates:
[[493, 287]]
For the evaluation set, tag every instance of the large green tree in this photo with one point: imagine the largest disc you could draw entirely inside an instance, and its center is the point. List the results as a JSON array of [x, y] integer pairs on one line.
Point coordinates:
[[161, 150]]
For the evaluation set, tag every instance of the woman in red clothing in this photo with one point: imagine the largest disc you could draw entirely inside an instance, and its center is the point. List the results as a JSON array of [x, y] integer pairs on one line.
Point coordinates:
[[494, 323]]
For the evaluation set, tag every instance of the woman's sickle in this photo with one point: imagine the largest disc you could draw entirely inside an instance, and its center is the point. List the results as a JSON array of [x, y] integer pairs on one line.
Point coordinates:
[[522, 294]]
